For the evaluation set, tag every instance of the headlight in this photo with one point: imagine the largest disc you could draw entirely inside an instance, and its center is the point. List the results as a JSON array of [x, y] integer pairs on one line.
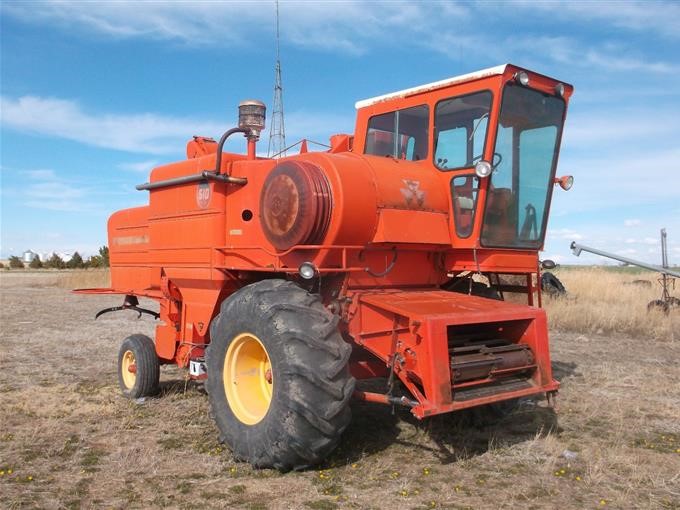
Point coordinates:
[[307, 270], [483, 169], [522, 78], [559, 89]]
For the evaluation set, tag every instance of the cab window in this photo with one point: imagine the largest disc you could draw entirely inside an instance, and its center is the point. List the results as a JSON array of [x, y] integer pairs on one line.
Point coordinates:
[[460, 130], [464, 190], [401, 134]]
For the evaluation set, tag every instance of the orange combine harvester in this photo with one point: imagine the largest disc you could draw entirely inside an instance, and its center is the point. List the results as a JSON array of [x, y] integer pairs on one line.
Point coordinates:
[[283, 281]]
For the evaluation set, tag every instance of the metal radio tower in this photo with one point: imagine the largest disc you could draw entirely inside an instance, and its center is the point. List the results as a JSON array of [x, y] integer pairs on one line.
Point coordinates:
[[277, 130]]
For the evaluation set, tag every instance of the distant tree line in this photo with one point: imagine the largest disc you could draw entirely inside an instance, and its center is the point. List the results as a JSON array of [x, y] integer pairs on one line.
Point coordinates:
[[56, 262]]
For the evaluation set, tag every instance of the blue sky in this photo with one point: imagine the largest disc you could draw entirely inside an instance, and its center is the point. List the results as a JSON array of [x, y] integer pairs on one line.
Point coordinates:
[[95, 94]]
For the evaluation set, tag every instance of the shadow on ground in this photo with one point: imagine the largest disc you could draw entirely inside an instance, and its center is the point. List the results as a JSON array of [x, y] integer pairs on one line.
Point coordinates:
[[562, 370], [449, 437]]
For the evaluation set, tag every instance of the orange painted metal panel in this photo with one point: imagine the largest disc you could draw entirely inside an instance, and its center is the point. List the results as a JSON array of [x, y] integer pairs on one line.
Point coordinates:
[[406, 226]]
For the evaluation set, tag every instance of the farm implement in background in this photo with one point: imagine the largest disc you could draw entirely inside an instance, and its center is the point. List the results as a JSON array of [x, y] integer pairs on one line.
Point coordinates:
[[666, 278], [281, 282]]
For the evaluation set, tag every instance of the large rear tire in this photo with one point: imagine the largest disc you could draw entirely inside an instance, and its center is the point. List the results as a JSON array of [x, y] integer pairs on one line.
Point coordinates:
[[278, 378]]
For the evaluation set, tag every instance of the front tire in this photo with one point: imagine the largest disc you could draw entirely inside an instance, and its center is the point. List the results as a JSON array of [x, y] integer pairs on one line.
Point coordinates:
[[278, 378], [138, 367]]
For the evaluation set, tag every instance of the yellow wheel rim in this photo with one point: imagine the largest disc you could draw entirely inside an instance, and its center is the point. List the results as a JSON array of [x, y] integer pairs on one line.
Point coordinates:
[[128, 369], [248, 379]]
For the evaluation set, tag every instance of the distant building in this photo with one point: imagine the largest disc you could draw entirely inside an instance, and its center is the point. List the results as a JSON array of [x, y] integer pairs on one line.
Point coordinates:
[[28, 256]]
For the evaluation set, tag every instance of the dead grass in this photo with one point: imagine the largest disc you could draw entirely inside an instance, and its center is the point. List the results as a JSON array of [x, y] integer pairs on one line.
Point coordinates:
[[85, 279], [606, 301], [69, 440], [64, 279]]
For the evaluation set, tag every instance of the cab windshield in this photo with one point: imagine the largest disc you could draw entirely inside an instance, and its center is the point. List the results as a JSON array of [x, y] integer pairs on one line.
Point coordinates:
[[525, 155]]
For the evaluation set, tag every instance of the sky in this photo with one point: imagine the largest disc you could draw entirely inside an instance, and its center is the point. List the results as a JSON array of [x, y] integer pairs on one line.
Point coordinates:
[[95, 94]]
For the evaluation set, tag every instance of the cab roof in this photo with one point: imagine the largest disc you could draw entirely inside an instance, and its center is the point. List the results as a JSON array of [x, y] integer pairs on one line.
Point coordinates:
[[491, 71]]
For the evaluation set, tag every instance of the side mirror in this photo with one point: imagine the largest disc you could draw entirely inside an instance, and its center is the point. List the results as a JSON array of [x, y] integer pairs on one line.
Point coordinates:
[[565, 182], [548, 264]]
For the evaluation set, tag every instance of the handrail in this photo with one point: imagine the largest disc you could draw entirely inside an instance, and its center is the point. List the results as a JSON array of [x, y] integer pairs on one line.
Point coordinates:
[[205, 175]]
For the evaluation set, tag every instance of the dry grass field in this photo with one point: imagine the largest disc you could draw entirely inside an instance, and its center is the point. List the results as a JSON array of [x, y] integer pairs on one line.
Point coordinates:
[[69, 440]]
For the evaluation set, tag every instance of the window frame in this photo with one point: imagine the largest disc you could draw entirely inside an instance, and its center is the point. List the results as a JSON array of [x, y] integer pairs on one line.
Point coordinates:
[[396, 132], [540, 242], [475, 203], [435, 131]]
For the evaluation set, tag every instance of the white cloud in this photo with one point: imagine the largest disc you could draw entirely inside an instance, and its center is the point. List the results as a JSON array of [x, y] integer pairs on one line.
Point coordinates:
[[612, 178], [556, 51], [340, 25], [144, 132], [614, 62], [141, 132], [634, 222], [660, 18], [564, 233], [139, 166], [602, 130], [357, 27], [40, 174], [570, 51], [317, 126], [45, 190]]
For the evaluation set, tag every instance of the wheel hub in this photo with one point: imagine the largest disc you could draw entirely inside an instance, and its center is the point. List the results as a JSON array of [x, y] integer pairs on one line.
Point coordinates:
[[129, 369], [248, 378]]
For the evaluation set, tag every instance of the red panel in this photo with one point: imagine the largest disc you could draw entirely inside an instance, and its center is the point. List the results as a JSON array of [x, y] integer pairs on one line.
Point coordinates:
[[451, 307]]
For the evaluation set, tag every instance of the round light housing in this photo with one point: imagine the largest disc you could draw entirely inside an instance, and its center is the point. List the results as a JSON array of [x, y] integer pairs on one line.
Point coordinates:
[[548, 264], [565, 182], [522, 78], [560, 89], [483, 169], [307, 270], [251, 115]]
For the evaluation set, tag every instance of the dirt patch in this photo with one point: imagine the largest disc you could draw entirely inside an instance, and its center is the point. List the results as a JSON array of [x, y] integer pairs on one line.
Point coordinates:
[[69, 440]]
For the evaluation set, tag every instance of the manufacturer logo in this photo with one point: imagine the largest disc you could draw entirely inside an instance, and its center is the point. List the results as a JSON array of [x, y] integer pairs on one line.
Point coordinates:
[[415, 197], [203, 195]]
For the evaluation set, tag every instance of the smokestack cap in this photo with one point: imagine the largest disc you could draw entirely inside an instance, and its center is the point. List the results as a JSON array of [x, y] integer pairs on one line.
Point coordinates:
[[251, 115]]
